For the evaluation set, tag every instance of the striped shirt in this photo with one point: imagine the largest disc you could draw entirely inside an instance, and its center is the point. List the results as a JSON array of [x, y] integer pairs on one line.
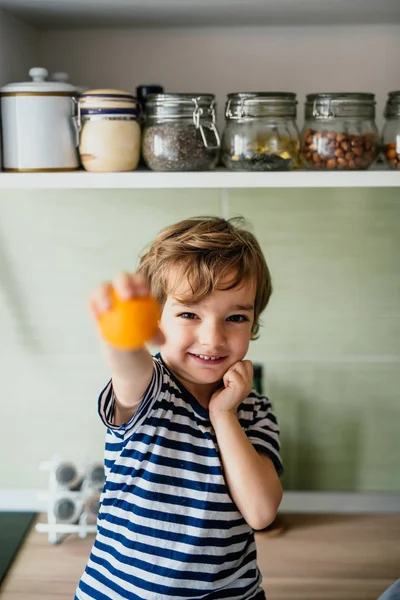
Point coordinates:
[[167, 526]]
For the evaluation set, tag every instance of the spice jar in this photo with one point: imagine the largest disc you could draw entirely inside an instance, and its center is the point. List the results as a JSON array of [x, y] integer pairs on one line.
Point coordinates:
[[180, 132], [109, 132], [260, 132], [142, 92], [391, 131], [340, 131]]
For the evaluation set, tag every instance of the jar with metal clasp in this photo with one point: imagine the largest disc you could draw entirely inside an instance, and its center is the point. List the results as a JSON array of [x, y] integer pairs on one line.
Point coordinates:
[[340, 131], [109, 131], [391, 131], [260, 132], [180, 133]]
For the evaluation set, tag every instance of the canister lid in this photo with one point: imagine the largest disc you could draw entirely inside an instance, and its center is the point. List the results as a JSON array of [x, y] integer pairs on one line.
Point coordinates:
[[392, 108], [242, 105], [38, 85], [340, 104], [107, 98], [175, 105]]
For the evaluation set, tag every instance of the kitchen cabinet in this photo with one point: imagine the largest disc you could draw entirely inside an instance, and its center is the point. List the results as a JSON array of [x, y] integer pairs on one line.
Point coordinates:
[[215, 47]]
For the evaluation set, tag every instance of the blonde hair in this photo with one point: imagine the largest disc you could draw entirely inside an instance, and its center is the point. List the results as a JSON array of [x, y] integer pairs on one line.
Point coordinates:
[[211, 253]]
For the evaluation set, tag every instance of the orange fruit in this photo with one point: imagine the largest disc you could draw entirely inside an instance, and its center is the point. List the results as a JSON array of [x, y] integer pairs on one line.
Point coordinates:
[[129, 324]]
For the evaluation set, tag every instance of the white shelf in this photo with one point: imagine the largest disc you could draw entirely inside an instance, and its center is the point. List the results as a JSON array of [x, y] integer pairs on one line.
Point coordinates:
[[219, 179]]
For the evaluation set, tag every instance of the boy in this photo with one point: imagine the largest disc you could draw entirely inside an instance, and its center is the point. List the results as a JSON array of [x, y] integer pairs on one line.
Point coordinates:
[[192, 452]]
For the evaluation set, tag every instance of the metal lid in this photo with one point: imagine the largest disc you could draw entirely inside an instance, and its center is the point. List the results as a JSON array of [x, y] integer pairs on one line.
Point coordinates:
[[39, 85], [328, 105], [172, 106], [242, 105], [392, 108]]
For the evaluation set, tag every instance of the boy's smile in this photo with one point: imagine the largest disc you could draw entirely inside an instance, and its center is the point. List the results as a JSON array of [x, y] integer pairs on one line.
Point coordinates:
[[203, 340], [204, 359]]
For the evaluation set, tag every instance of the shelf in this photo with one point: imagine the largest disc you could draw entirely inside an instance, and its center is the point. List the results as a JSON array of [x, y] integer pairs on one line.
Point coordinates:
[[172, 13], [219, 179]]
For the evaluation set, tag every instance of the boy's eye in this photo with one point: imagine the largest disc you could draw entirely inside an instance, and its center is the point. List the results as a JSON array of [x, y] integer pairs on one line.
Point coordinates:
[[187, 315], [238, 318]]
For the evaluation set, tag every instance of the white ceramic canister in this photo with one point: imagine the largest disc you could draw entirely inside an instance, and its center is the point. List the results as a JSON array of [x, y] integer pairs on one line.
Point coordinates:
[[38, 125], [109, 138]]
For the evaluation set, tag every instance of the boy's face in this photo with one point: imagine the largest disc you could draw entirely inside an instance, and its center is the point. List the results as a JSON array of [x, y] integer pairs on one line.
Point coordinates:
[[203, 340]]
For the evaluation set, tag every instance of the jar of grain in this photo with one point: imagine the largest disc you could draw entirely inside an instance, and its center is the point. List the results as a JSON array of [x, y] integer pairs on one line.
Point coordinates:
[[340, 131], [391, 131], [109, 131], [260, 132], [180, 132]]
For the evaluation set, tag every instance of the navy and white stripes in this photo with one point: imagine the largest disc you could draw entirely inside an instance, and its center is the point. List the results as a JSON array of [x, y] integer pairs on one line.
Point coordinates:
[[167, 526]]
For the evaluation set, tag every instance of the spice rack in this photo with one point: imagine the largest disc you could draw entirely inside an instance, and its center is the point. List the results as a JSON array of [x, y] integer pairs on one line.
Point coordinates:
[[77, 499]]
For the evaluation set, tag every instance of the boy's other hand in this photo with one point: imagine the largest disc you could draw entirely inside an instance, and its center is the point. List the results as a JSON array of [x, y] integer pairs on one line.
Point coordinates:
[[238, 383], [126, 286]]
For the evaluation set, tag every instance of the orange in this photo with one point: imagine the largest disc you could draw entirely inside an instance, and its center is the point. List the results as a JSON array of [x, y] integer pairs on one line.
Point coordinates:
[[129, 324]]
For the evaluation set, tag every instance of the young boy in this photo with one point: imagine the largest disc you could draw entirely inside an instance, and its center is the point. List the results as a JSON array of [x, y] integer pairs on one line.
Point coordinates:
[[192, 451]]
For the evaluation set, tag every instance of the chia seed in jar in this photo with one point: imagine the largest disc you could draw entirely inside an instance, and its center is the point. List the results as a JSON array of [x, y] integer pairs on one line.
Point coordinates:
[[180, 133]]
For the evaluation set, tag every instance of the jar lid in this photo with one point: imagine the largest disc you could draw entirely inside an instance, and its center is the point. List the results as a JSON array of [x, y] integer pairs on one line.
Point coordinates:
[[39, 85], [107, 98], [170, 106], [242, 105], [392, 108], [340, 104]]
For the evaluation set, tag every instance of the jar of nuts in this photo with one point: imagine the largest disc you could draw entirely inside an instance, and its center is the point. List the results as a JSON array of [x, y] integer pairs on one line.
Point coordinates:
[[180, 132], [340, 131], [260, 132], [391, 131]]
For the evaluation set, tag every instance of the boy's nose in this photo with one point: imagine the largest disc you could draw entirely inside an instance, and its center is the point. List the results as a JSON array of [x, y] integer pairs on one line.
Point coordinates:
[[212, 335]]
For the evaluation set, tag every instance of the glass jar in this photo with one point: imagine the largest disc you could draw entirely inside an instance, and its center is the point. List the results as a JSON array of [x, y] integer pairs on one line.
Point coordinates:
[[391, 131], [142, 93], [109, 131], [260, 132], [340, 131], [180, 132]]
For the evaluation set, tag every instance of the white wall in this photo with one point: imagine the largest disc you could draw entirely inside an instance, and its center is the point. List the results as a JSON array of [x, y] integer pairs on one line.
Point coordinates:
[[330, 341], [54, 247], [300, 59], [18, 48]]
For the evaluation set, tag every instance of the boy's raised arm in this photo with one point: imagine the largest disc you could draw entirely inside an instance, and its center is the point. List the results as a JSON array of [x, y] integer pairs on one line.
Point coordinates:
[[131, 368]]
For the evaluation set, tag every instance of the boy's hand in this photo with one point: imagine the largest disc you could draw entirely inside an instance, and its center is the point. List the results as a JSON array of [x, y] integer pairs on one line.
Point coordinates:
[[238, 383], [126, 286]]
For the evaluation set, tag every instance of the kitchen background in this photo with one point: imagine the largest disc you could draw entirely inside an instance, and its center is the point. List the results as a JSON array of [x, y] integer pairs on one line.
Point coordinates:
[[330, 344]]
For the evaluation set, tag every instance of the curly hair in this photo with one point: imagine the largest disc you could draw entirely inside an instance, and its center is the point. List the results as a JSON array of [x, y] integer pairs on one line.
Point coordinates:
[[211, 253]]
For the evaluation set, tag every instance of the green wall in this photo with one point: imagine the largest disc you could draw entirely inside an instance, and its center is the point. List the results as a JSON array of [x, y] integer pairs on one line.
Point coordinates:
[[330, 343]]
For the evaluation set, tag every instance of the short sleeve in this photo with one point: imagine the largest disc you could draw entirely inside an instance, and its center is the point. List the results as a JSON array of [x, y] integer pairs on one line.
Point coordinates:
[[263, 432], [106, 404]]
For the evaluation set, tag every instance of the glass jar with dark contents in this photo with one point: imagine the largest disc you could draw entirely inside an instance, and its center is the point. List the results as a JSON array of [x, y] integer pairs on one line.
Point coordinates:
[[340, 131], [180, 132], [391, 131], [260, 132]]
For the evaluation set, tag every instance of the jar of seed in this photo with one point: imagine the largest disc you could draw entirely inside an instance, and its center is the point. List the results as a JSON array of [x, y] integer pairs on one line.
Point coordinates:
[[260, 132], [180, 132], [340, 131], [391, 131]]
